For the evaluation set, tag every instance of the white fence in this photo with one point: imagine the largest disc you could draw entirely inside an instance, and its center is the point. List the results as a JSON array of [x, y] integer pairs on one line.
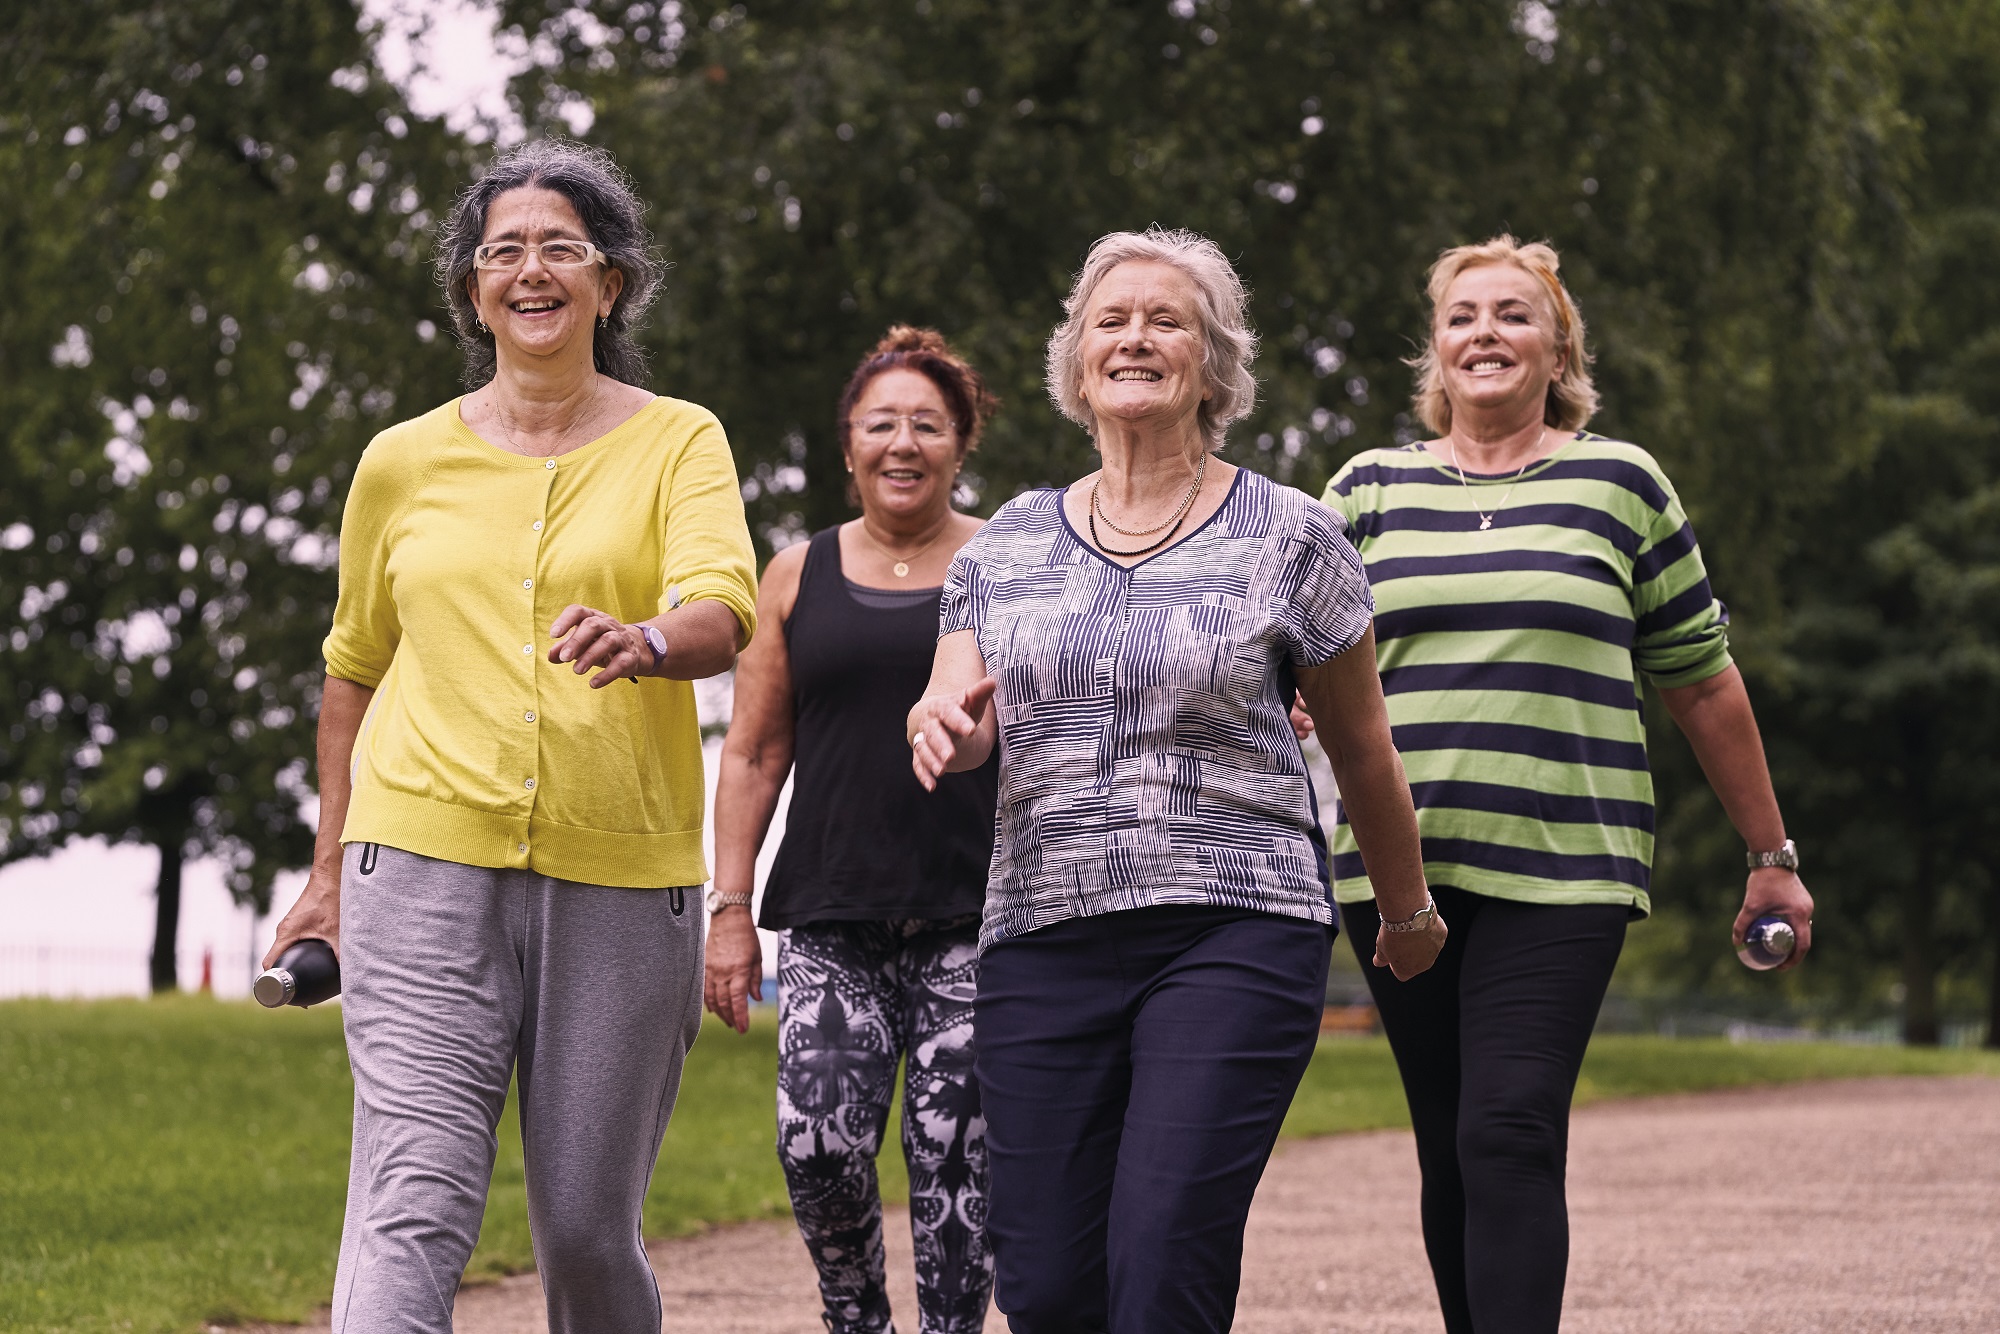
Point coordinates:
[[73, 971]]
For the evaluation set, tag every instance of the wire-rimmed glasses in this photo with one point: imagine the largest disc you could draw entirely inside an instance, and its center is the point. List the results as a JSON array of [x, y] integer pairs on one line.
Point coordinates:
[[927, 426], [557, 253]]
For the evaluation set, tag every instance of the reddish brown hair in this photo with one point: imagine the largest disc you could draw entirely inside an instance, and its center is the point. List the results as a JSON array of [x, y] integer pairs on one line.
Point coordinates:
[[925, 351]]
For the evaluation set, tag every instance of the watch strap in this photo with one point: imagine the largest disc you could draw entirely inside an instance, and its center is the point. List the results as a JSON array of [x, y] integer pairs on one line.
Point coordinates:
[[1416, 921], [717, 900], [1785, 857]]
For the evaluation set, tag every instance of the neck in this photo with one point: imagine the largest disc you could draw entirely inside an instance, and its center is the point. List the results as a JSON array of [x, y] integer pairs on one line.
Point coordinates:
[[1494, 442], [1145, 463], [540, 399], [908, 530]]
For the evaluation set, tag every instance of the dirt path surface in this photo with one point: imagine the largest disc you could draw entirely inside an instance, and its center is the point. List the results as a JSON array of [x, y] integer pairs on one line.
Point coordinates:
[[1870, 1207]]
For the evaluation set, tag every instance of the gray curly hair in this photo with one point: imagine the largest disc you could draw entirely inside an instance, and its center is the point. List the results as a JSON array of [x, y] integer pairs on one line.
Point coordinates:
[[613, 217], [1228, 343]]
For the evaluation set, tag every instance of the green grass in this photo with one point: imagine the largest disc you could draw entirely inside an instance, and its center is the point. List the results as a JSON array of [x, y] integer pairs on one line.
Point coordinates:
[[169, 1163]]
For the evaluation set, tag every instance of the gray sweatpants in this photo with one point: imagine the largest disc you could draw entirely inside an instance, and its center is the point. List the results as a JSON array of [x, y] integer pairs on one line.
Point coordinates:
[[455, 978]]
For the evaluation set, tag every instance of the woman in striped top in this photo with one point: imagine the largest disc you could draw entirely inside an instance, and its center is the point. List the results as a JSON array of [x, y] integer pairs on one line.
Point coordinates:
[[1527, 574]]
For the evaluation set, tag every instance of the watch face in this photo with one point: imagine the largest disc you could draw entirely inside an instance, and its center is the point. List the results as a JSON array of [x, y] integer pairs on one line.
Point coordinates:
[[654, 640]]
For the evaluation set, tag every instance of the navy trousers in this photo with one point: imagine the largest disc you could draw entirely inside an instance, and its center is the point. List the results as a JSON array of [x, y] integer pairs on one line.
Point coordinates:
[[1135, 1068]]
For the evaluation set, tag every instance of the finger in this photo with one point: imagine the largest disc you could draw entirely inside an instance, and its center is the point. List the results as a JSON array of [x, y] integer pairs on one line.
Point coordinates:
[[586, 632], [739, 1004], [956, 721], [571, 614], [925, 778], [621, 667], [593, 643], [974, 699]]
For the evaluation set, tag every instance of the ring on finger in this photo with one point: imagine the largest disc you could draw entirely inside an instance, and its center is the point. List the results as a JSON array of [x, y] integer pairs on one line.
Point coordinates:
[[916, 740]]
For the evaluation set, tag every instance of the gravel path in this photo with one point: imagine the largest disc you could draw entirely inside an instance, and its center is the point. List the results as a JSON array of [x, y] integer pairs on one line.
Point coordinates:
[[1688, 1217]]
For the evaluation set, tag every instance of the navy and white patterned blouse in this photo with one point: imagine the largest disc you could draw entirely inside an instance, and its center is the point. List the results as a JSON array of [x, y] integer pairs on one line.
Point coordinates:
[[1147, 755]]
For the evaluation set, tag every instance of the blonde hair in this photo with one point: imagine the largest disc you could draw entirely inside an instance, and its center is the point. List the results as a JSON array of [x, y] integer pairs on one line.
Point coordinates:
[[1228, 343], [1572, 398]]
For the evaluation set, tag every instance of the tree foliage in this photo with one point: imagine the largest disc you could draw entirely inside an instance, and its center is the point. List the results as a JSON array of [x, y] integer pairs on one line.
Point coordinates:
[[223, 219], [1778, 218]]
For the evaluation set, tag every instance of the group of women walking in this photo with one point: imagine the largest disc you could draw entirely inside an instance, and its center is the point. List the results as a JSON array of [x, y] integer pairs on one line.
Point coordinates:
[[1053, 846]]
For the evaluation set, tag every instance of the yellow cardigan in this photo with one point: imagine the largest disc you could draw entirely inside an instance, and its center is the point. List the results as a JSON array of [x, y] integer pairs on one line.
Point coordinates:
[[455, 558]]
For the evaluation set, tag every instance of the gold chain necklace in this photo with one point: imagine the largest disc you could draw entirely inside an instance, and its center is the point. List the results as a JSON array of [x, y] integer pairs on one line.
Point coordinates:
[[1173, 520], [901, 565], [1485, 518]]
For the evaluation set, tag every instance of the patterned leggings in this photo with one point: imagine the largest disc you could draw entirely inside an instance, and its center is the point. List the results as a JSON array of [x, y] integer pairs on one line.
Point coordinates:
[[852, 998]]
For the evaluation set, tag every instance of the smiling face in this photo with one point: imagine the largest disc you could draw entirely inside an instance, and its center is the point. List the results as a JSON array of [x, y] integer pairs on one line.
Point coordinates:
[[903, 447], [539, 310], [1497, 342], [1141, 350]]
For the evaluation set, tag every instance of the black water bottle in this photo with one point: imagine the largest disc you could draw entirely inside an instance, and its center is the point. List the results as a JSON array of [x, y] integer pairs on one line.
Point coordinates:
[[305, 974]]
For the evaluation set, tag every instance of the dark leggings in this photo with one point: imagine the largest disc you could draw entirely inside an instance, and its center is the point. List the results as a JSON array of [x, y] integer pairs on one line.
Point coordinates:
[[1489, 1042]]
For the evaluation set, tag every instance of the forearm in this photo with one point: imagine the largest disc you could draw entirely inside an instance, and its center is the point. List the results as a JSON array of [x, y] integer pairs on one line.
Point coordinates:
[[1719, 723], [702, 640], [1376, 797], [746, 797], [343, 705]]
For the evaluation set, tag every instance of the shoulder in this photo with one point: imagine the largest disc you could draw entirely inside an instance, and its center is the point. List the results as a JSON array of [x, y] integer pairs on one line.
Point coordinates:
[[1381, 467], [1030, 513], [675, 428], [1631, 473], [398, 458], [778, 589]]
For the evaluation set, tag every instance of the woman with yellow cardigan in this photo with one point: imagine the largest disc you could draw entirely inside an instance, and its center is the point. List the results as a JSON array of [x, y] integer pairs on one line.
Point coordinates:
[[510, 766]]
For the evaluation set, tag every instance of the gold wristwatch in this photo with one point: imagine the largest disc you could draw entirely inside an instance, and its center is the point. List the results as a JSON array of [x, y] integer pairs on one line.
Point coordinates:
[[1786, 857]]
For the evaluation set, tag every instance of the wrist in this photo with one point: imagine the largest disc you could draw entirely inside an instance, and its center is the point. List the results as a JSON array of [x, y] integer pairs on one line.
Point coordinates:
[[654, 645], [722, 901], [1783, 855]]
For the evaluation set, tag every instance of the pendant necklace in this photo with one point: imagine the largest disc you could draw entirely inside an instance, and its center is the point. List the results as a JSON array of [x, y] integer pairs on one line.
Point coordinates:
[[901, 565], [1486, 518], [1171, 526]]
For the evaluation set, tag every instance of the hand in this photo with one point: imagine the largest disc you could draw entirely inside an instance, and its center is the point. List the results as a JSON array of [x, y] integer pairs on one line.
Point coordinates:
[[735, 969], [598, 639], [316, 916], [940, 722], [1302, 722], [1775, 891], [1407, 953]]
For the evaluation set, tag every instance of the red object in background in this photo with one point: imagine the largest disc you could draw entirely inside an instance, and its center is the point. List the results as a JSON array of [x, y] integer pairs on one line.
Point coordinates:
[[208, 971]]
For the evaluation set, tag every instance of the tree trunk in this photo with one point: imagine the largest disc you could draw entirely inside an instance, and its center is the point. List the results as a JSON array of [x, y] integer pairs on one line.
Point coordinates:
[[1993, 981], [1920, 1012], [167, 920]]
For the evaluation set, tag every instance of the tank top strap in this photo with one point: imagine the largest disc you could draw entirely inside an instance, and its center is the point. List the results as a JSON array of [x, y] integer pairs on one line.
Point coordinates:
[[821, 572]]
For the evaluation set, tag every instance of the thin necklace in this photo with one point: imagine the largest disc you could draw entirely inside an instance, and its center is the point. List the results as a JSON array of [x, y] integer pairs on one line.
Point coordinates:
[[1173, 521], [1485, 518], [1172, 526], [901, 565]]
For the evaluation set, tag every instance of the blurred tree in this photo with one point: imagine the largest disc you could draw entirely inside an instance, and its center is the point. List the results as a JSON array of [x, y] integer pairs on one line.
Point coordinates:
[[216, 218], [1728, 185]]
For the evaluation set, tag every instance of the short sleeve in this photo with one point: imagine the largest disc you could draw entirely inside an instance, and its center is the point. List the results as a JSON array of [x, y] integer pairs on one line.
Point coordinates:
[[1339, 494], [959, 605], [1680, 631], [366, 626], [1330, 607], [707, 551]]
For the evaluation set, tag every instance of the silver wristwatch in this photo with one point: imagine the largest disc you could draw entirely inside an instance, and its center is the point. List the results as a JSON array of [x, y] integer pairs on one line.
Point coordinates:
[[1786, 857], [1416, 921], [717, 900]]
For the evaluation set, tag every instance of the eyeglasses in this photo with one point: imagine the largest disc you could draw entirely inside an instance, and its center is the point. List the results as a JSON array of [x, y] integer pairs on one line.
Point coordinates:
[[928, 427], [560, 253]]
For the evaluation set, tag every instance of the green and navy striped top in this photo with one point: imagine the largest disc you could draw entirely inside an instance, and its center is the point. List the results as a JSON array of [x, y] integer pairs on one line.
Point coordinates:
[[1511, 660]]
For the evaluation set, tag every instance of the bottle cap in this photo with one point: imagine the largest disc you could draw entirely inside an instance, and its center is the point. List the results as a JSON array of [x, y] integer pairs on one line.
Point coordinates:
[[274, 987]]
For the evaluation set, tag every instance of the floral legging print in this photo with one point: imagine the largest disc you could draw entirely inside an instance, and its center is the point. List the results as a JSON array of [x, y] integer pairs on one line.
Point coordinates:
[[853, 997]]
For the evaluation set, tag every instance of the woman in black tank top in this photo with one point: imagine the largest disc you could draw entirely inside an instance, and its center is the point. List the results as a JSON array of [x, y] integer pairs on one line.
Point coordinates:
[[877, 887]]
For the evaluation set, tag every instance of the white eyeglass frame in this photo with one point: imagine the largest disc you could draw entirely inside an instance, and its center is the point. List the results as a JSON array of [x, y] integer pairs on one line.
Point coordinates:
[[896, 419], [591, 254]]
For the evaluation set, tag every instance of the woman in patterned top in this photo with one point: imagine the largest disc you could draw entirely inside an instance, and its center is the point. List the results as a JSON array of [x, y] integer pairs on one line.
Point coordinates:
[[1527, 573], [1157, 920]]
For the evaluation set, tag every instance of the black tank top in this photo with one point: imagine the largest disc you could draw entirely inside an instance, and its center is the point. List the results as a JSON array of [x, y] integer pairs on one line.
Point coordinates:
[[863, 840]]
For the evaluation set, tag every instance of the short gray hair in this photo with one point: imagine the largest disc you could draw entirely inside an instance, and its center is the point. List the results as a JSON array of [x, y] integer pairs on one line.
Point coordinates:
[[613, 218], [1228, 342]]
